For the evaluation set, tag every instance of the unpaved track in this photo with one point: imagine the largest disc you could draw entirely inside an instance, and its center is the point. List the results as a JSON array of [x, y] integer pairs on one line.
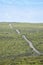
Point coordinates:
[[30, 44], [10, 26], [17, 31]]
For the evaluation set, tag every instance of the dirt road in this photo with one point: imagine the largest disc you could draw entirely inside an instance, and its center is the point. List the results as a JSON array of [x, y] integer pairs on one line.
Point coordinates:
[[17, 31], [31, 45], [10, 26]]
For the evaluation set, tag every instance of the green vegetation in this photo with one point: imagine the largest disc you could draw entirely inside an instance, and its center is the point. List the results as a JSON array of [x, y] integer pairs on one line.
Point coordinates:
[[14, 50], [10, 42], [34, 32], [26, 60]]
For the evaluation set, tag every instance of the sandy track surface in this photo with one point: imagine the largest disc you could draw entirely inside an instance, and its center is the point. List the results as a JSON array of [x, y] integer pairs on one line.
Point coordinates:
[[10, 26], [31, 45], [29, 42], [17, 31]]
